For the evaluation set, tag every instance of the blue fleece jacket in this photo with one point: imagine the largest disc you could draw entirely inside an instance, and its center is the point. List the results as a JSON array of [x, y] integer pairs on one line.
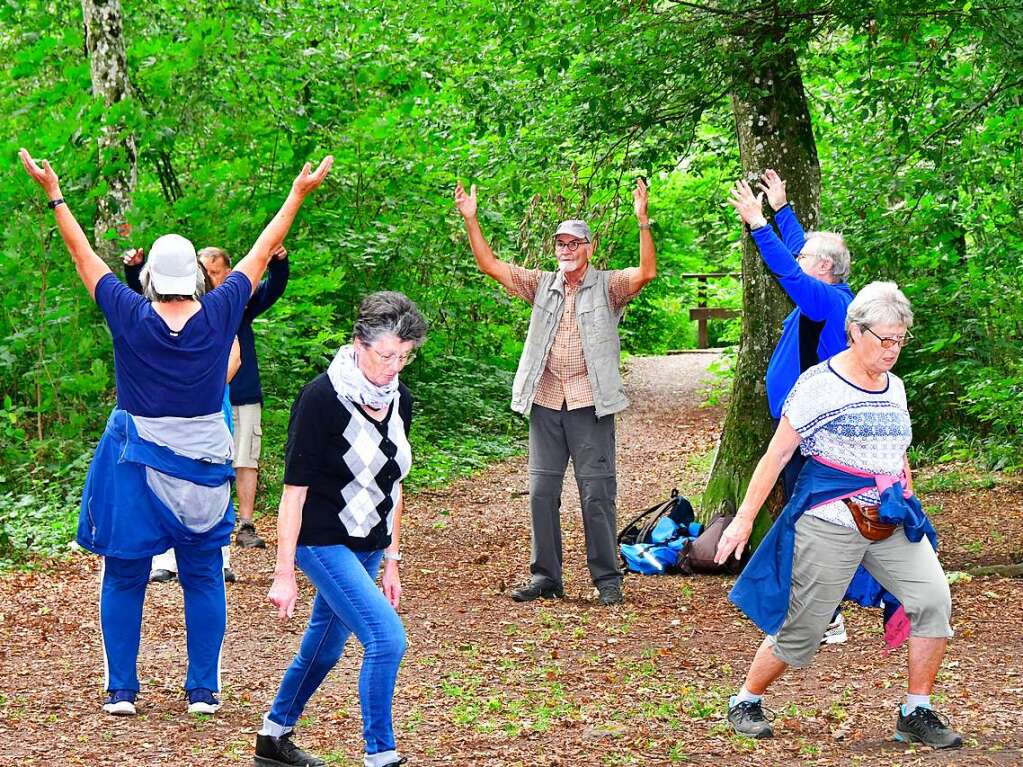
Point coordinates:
[[820, 309]]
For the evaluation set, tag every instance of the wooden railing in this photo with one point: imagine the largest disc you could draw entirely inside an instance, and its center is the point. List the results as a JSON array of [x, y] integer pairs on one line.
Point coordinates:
[[702, 312]]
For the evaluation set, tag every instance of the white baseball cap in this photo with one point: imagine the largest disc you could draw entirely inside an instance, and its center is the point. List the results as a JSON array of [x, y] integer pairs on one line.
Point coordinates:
[[172, 266]]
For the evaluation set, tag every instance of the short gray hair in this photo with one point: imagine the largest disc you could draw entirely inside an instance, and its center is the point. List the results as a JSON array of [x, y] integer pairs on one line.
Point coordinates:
[[831, 245], [152, 295], [389, 313], [879, 303]]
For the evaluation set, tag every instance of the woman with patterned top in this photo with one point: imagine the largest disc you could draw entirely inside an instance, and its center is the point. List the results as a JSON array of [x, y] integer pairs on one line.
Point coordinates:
[[340, 517], [851, 505]]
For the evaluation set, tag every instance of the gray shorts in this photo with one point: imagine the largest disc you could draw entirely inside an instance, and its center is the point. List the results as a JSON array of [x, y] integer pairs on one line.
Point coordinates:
[[825, 559], [248, 435]]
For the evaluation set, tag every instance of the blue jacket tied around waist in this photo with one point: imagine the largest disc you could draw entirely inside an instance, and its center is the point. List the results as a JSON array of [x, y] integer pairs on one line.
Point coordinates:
[[141, 498], [762, 591]]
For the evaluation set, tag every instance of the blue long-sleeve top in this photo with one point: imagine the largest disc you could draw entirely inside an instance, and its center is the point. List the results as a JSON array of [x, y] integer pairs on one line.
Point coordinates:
[[246, 388], [815, 329]]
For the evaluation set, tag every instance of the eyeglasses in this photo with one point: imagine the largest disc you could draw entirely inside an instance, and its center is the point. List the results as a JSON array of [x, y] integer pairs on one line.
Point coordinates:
[[570, 245], [887, 342], [404, 359]]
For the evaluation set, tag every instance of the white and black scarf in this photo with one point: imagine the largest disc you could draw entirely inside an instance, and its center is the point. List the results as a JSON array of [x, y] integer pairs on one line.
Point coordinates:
[[350, 383]]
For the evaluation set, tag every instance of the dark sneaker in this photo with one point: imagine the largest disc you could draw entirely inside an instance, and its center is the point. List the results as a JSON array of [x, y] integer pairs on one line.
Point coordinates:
[[397, 763], [748, 718], [923, 725], [274, 752], [247, 538], [162, 576], [229, 576], [610, 593], [120, 703], [202, 701], [537, 588]]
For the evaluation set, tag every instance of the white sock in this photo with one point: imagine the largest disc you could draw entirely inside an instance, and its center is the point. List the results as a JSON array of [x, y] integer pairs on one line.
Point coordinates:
[[273, 729], [745, 695], [913, 701]]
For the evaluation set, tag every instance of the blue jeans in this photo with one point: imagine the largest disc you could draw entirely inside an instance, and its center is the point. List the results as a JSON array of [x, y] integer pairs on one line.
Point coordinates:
[[347, 601], [122, 593]]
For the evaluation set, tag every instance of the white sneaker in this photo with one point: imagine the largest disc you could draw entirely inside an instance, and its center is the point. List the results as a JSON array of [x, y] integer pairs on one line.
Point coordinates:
[[120, 703], [835, 633], [202, 701]]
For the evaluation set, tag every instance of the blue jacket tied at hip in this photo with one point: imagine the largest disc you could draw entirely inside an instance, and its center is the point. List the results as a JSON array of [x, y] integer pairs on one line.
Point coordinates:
[[762, 591]]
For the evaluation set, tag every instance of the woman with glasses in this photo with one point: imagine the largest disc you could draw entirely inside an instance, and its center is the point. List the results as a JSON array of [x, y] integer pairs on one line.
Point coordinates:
[[852, 505], [340, 518]]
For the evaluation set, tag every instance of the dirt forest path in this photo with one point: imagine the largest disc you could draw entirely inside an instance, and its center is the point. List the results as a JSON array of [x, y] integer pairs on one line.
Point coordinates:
[[490, 682]]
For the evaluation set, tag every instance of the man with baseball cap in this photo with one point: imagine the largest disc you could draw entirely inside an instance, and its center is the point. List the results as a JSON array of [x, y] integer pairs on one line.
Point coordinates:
[[569, 385]]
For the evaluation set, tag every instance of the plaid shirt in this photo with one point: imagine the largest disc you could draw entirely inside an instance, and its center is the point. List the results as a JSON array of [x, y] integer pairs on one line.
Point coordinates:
[[564, 379]]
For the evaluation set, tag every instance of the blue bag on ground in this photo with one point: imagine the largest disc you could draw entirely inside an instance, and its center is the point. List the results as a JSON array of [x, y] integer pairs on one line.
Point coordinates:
[[651, 543]]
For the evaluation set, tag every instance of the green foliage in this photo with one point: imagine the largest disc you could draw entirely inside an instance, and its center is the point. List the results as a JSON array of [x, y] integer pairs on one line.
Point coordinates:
[[916, 113]]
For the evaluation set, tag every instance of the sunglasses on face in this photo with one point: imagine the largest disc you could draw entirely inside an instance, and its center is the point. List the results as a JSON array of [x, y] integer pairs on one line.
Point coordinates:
[[887, 342]]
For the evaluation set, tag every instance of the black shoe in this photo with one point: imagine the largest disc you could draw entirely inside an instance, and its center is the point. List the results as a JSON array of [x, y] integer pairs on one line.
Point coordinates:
[[537, 588], [610, 593], [747, 718], [397, 763], [247, 538], [162, 576], [922, 725], [275, 752], [229, 576]]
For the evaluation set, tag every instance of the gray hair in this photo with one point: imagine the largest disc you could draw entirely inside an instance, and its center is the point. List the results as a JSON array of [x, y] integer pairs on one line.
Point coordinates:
[[831, 245], [389, 313], [152, 295], [879, 303]]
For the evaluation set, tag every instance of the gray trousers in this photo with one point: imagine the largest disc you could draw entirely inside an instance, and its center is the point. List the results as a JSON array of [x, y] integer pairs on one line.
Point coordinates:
[[554, 437], [826, 557]]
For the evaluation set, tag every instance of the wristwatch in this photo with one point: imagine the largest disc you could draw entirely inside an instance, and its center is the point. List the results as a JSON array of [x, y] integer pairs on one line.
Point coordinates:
[[394, 556]]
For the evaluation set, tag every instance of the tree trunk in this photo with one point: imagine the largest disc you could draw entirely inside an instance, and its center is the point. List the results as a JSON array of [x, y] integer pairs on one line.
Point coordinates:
[[773, 127], [104, 38]]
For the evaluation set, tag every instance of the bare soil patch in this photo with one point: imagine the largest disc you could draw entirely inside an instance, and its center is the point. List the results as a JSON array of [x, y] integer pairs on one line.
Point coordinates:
[[490, 682]]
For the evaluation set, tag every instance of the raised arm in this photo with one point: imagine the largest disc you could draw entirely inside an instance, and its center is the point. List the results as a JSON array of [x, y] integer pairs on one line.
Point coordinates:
[[89, 265], [487, 262], [254, 263], [784, 218], [769, 468], [647, 269]]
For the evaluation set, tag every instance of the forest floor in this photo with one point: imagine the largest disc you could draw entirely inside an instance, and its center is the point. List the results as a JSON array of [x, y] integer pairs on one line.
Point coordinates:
[[487, 681]]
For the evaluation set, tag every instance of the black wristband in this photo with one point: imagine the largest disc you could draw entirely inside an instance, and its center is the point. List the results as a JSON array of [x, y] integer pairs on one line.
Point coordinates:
[[54, 203]]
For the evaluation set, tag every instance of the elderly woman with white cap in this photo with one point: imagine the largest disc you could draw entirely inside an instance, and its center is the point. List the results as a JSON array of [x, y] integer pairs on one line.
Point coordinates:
[[161, 473]]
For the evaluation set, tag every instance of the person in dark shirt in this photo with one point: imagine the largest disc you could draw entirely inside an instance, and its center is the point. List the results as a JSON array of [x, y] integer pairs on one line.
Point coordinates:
[[160, 476], [339, 519], [246, 391]]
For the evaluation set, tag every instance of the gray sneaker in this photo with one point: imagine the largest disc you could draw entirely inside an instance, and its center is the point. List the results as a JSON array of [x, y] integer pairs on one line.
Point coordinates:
[[748, 718], [247, 538], [922, 725]]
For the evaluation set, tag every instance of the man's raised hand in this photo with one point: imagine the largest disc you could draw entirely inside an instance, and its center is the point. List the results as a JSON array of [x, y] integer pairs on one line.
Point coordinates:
[[640, 200], [748, 205], [466, 203], [308, 179], [133, 257], [772, 184], [44, 176]]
